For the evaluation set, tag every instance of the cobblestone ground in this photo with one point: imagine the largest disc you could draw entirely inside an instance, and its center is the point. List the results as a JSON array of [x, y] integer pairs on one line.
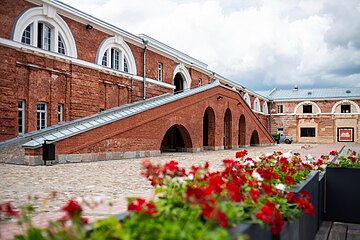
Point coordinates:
[[110, 180]]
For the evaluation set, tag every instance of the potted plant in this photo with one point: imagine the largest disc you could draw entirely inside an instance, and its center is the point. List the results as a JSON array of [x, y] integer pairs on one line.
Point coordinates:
[[342, 198]]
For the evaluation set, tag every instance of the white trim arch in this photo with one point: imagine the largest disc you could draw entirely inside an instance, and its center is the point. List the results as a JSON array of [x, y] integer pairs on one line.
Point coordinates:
[[48, 15], [247, 99], [118, 43], [180, 68], [348, 102], [265, 108], [307, 103], [256, 106]]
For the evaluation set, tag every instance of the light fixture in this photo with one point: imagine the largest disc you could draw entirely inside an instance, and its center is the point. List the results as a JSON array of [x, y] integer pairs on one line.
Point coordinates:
[[239, 103], [89, 27], [219, 97]]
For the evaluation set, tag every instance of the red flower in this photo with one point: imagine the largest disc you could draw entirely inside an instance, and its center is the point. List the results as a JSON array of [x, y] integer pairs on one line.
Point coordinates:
[[234, 192], [85, 220], [290, 196], [136, 205], [289, 180], [268, 189], [241, 154], [254, 194], [8, 209], [72, 208], [334, 153], [307, 207], [221, 218]]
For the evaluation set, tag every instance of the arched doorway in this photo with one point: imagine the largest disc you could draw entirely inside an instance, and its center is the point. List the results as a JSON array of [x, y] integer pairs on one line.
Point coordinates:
[[242, 131], [176, 139], [179, 83], [209, 128], [254, 138], [227, 129]]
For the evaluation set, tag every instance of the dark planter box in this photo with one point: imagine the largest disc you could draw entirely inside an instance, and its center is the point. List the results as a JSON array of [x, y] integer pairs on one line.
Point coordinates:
[[308, 225], [253, 231], [321, 206], [342, 194]]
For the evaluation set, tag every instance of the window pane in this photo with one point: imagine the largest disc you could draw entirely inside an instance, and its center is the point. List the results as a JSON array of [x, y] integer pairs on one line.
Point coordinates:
[[104, 59], [126, 67], [345, 108], [307, 109], [61, 45], [280, 108], [26, 37], [307, 132], [115, 59]]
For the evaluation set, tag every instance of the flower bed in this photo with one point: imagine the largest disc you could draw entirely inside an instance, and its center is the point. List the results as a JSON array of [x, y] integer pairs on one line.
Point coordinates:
[[202, 204]]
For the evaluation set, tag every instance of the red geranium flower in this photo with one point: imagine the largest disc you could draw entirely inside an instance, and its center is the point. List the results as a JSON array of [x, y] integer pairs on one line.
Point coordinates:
[[241, 154], [72, 208], [334, 153]]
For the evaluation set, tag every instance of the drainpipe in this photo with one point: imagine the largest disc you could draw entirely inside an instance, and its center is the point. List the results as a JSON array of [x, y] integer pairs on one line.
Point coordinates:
[[271, 103], [144, 75]]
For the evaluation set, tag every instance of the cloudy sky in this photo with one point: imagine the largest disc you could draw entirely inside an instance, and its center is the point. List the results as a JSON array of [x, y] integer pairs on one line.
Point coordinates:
[[260, 44]]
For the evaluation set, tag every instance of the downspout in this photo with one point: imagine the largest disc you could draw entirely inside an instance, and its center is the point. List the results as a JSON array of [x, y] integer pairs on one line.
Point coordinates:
[[144, 75], [271, 103]]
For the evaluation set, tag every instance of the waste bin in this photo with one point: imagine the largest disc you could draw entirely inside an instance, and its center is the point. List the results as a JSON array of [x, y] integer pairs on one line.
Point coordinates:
[[48, 151]]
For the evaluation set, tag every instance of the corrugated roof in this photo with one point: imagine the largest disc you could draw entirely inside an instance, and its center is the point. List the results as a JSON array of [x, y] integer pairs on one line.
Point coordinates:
[[314, 93], [68, 129]]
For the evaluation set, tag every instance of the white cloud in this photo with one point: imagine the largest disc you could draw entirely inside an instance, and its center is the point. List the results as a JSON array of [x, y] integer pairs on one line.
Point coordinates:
[[259, 44]]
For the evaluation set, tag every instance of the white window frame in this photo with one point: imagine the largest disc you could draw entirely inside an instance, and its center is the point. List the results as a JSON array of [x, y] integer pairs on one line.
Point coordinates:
[[43, 116], [280, 106], [160, 72], [60, 112], [22, 111], [44, 15]]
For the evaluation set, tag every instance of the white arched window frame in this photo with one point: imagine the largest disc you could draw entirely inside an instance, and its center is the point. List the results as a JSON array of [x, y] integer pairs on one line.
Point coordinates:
[[116, 54], [30, 23], [307, 103], [257, 105], [265, 108], [180, 68], [247, 99], [345, 102]]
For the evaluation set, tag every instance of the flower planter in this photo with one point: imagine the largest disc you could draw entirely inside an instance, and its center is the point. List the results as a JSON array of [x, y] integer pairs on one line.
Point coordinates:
[[321, 206], [253, 231], [308, 225], [342, 195], [289, 232]]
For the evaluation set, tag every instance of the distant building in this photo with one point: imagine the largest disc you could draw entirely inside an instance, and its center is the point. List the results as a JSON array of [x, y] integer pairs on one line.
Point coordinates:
[[326, 115]]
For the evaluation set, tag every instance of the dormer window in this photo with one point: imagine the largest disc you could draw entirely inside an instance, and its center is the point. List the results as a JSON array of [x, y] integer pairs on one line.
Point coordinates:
[[41, 27], [346, 108], [114, 53]]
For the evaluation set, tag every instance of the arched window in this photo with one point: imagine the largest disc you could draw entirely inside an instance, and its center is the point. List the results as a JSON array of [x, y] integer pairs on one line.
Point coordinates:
[[43, 28], [265, 108], [256, 105], [115, 53], [247, 99]]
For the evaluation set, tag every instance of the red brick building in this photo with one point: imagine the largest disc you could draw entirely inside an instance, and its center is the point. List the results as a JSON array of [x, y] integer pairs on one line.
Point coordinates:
[[98, 93]]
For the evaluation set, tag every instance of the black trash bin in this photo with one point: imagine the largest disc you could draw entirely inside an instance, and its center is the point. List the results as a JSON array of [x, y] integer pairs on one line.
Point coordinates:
[[48, 151]]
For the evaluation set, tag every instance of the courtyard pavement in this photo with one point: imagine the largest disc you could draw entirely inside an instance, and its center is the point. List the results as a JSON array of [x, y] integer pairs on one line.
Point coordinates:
[[105, 181]]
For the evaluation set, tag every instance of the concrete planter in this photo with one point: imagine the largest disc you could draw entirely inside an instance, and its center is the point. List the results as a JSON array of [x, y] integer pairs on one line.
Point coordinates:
[[342, 195], [308, 225]]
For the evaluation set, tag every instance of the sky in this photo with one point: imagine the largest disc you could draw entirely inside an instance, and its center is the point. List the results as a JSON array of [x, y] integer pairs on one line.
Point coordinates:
[[260, 44]]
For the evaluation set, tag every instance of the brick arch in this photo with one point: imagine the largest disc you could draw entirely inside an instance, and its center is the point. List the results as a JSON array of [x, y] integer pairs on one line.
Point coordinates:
[[176, 139], [242, 131], [227, 129], [209, 128], [254, 140]]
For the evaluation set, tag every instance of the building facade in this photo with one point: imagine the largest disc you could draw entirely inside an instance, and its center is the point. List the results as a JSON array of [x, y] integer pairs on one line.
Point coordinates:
[[99, 92]]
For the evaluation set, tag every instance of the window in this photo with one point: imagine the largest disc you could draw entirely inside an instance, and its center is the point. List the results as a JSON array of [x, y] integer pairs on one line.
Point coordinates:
[[43, 28], [160, 71], [44, 36], [104, 61], [280, 109], [346, 108], [307, 108], [41, 115], [60, 112], [256, 105], [200, 82], [21, 117], [115, 59], [126, 65], [26, 36], [307, 132], [101, 109], [61, 45]]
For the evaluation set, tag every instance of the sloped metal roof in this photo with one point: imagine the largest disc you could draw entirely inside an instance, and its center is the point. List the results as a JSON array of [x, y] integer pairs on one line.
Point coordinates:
[[315, 93], [68, 129]]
